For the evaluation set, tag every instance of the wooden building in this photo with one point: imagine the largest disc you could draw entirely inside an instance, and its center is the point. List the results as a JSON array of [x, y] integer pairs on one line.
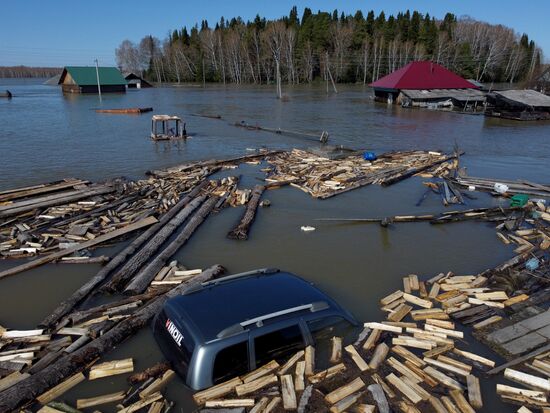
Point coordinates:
[[84, 79], [136, 82], [427, 84], [518, 105]]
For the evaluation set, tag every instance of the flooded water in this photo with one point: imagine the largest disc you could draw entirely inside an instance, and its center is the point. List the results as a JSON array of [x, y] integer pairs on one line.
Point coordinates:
[[46, 136]]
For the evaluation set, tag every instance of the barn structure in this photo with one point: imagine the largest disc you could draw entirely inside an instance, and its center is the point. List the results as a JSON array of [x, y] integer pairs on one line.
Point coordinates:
[[518, 105], [427, 84], [84, 79], [135, 81]]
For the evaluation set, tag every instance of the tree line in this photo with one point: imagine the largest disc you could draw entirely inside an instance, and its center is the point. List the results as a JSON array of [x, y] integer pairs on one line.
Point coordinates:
[[26, 71], [335, 46]]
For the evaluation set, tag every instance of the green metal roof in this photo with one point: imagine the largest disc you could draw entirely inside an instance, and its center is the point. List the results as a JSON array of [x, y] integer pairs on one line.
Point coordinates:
[[86, 75]]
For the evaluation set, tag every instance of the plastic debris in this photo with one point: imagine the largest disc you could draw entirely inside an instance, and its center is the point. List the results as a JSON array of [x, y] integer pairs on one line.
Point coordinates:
[[307, 228], [532, 264]]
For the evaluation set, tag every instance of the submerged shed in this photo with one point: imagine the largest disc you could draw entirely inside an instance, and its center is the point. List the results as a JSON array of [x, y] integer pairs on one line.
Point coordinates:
[[426, 83], [135, 81], [518, 105], [84, 79]]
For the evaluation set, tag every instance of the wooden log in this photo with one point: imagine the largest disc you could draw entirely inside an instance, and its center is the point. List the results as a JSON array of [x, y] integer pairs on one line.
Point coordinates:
[[345, 403], [436, 329], [288, 393], [12, 379], [327, 374], [68, 365], [437, 405], [416, 387], [412, 342], [290, 362], [404, 370], [61, 388], [99, 400], [299, 374], [261, 371], [486, 322], [474, 392], [344, 391], [531, 394], [216, 391], [357, 359], [379, 397], [380, 353], [449, 405], [521, 359], [241, 230], [456, 363], [461, 401], [407, 355], [400, 312], [445, 366], [438, 350], [443, 379], [111, 368], [158, 384], [142, 279], [309, 357], [417, 301], [229, 403], [391, 298], [260, 406], [157, 235], [527, 379], [406, 390], [372, 339], [336, 352], [418, 371], [252, 386], [384, 327], [141, 403], [272, 405], [98, 240]]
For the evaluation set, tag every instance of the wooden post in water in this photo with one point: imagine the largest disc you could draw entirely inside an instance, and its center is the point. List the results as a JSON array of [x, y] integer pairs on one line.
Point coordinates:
[[97, 75]]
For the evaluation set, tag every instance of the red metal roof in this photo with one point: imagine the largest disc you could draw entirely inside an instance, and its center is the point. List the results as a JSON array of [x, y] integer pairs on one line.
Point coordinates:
[[423, 75]]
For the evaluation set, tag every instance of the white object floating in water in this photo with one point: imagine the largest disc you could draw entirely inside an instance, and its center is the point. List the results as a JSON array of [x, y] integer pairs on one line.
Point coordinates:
[[250, 149], [307, 228], [471, 188], [501, 188]]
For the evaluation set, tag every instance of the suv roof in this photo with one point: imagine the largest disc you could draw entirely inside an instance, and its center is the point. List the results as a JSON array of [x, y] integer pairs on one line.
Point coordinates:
[[256, 296]]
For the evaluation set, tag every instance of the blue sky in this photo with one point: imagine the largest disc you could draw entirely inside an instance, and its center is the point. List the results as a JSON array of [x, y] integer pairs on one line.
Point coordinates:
[[62, 32]]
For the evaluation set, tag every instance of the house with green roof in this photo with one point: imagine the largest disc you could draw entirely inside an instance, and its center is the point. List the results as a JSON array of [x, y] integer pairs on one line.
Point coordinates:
[[84, 79]]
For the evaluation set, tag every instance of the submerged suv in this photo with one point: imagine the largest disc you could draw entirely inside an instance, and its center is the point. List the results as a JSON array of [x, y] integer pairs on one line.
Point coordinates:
[[229, 326]]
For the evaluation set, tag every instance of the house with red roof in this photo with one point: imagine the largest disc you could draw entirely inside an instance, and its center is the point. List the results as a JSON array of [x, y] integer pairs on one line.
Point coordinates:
[[425, 83]]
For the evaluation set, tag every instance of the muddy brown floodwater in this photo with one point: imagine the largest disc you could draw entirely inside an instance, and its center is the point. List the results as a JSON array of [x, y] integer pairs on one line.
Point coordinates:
[[46, 136]]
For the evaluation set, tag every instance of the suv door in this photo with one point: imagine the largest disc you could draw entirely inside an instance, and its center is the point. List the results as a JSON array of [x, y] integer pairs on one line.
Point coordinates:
[[276, 343]]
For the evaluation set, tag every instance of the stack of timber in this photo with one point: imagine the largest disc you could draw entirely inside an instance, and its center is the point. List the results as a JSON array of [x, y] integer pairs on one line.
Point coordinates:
[[323, 178], [39, 366]]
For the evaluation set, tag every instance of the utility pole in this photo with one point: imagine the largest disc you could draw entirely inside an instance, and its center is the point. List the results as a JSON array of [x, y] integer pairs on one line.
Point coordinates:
[[97, 75]]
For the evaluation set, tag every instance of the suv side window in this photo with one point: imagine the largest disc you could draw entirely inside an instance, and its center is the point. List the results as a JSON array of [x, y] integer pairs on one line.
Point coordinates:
[[230, 362], [278, 345], [322, 330]]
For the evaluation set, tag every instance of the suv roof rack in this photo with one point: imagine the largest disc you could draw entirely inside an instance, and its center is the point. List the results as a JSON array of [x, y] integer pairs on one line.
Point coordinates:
[[259, 271], [240, 327]]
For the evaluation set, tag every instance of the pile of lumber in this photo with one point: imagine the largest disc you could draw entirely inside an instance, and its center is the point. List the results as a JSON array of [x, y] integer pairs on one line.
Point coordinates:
[[323, 178], [514, 187], [38, 366]]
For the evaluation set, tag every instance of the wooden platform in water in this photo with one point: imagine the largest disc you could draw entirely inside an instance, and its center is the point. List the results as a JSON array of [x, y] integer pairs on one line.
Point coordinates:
[[522, 336]]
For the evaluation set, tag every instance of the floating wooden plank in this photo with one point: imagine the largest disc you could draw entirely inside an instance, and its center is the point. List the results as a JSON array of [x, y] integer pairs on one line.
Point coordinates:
[[345, 403], [158, 384], [443, 378], [474, 392], [229, 403], [516, 299], [407, 355], [416, 387], [441, 323], [87, 244], [372, 339], [400, 312], [486, 322], [99, 400], [299, 374], [111, 368], [260, 406], [272, 405], [290, 363], [216, 391], [327, 374], [261, 371], [20, 333], [12, 379], [492, 296], [407, 285], [141, 403], [417, 301], [380, 353], [344, 391], [521, 359], [461, 402], [527, 379], [434, 291], [336, 352], [309, 357], [73, 331], [474, 357], [436, 329], [379, 397], [401, 368], [252, 386], [532, 394], [449, 405], [418, 371], [453, 362], [446, 366], [288, 393], [438, 350], [384, 327], [406, 390], [412, 342], [356, 357], [391, 298], [61, 388], [487, 303], [437, 405]]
